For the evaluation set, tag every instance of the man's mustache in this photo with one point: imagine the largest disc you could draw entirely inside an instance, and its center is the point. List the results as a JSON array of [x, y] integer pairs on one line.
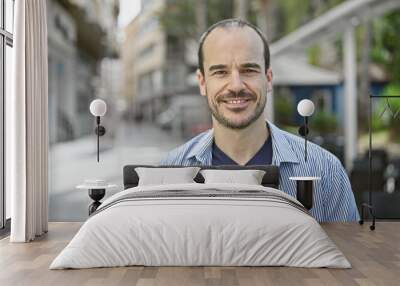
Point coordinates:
[[236, 95]]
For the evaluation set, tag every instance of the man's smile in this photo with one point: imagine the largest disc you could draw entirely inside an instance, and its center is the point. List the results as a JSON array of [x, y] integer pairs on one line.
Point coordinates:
[[236, 104]]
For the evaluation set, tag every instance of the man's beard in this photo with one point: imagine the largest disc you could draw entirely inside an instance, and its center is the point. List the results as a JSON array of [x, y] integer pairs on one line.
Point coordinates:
[[225, 121]]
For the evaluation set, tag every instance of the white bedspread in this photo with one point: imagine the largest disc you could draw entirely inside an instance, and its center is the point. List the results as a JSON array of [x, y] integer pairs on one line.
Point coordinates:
[[181, 231]]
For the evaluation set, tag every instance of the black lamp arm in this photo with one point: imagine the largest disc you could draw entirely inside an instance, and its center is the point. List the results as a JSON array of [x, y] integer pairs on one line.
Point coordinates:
[[303, 131], [100, 131], [305, 137]]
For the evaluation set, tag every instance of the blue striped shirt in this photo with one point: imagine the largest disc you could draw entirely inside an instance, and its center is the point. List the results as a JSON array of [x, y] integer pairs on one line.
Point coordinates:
[[333, 197]]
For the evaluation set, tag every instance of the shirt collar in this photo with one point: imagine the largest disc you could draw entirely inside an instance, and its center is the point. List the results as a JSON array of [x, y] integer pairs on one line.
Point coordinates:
[[202, 149], [281, 147], [282, 150]]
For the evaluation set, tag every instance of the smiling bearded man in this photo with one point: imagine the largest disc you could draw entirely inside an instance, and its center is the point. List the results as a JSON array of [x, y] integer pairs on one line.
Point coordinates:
[[232, 76], [235, 75]]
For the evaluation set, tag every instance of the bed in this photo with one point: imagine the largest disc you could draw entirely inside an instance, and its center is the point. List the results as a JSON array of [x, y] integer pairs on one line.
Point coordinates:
[[201, 224]]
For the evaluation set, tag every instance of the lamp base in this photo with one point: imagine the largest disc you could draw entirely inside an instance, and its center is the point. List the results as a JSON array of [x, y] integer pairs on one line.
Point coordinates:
[[305, 190], [305, 193], [371, 211], [96, 195]]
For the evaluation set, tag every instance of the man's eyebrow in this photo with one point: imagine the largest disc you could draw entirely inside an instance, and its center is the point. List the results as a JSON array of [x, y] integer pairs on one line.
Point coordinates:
[[216, 67], [245, 65], [251, 65]]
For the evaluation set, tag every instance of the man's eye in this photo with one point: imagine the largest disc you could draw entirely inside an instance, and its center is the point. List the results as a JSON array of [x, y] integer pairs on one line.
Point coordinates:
[[249, 71], [219, 73]]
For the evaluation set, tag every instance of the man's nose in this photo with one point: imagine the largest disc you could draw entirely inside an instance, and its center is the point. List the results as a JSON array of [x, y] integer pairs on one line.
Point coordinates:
[[236, 83]]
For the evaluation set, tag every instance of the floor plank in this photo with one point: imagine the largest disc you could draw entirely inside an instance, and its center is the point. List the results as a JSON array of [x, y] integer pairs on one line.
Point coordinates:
[[374, 255]]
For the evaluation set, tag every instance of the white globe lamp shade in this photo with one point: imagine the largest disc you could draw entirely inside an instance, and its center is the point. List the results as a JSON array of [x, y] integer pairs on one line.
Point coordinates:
[[98, 107], [305, 108]]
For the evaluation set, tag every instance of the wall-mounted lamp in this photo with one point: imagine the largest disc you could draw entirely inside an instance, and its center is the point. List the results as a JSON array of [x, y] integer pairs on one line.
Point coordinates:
[[305, 185], [98, 108], [305, 109]]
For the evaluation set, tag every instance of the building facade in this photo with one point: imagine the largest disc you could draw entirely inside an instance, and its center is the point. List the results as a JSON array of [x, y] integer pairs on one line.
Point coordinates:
[[159, 69], [80, 35]]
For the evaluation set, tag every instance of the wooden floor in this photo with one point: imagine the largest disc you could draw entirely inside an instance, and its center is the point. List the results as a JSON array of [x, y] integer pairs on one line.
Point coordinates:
[[374, 255]]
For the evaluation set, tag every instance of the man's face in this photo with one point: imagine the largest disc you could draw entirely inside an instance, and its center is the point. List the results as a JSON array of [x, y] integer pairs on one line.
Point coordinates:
[[234, 81]]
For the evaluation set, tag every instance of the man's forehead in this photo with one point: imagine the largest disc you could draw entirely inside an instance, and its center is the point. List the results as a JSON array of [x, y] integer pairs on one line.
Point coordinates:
[[232, 30], [224, 42]]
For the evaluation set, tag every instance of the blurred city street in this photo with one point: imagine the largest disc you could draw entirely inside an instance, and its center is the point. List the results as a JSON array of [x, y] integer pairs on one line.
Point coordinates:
[[136, 57], [72, 162]]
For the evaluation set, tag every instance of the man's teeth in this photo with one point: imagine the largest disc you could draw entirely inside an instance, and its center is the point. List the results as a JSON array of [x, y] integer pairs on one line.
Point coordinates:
[[236, 101]]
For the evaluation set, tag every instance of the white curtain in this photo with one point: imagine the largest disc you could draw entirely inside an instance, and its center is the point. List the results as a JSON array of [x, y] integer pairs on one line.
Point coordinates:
[[26, 124]]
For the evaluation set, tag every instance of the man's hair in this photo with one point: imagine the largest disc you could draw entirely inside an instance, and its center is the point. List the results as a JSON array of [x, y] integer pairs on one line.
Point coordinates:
[[232, 23]]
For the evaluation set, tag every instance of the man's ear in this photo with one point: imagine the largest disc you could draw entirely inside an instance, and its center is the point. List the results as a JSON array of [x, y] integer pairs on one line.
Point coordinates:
[[201, 82], [269, 76]]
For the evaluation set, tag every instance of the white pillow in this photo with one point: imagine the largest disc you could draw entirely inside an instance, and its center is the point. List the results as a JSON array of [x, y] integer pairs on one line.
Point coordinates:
[[163, 176], [248, 177]]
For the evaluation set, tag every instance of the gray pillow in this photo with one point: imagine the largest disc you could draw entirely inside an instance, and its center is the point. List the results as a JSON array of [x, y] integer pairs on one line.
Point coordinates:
[[163, 176], [248, 177]]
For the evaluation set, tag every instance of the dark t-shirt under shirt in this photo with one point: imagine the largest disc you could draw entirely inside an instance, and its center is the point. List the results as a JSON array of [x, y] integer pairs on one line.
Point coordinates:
[[262, 157]]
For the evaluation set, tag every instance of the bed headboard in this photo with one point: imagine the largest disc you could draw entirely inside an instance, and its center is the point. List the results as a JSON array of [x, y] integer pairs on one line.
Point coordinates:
[[270, 179]]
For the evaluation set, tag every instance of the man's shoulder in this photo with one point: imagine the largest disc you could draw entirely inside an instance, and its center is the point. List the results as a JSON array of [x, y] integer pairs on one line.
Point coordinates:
[[181, 154], [315, 152]]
